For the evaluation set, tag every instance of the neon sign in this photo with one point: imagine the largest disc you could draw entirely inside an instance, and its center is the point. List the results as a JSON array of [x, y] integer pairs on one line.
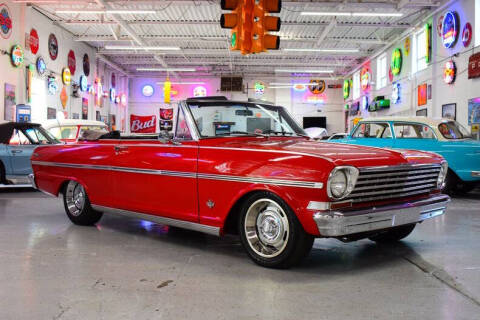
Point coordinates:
[[396, 92], [450, 29], [299, 87], [199, 91], [428, 42], [147, 90], [467, 34], [41, 66], [364, 102], [5, 22], [83, 83], [259, 88], [365, 78], [450, 72], [112, 94], [397, 60], [346, 89], [317, 86], [66, 76]]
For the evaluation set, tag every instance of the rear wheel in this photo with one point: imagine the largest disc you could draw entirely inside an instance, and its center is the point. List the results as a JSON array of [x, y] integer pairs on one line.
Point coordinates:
[[271, 233], [77, 205], [456, 186], [393, 235]]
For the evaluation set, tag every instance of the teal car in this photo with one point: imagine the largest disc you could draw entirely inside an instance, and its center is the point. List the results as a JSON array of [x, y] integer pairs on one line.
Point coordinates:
[[445, 137], [17, 143]]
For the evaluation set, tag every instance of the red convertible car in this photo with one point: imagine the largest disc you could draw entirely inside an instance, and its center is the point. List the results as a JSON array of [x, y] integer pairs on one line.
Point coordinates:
[[246, 168]]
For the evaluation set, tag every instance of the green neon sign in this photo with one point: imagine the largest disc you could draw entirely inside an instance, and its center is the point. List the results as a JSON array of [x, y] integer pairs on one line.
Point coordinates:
[[396, 64]]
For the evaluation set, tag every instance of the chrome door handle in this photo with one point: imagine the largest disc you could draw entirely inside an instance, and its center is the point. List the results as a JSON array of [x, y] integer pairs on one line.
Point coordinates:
[[17, 151], [120, 148]]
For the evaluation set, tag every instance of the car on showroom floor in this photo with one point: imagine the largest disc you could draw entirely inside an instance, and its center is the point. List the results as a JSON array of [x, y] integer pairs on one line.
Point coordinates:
[[443, 136], [18, 140], [69, 130], [250, 170]]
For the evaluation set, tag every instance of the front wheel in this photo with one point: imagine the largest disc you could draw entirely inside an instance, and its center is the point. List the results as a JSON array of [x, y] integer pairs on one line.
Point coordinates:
[[271, 233], [77, 205], [393, 235]]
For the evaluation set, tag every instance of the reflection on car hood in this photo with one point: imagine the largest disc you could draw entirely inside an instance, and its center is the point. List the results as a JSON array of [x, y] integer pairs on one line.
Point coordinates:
[[338, 153]]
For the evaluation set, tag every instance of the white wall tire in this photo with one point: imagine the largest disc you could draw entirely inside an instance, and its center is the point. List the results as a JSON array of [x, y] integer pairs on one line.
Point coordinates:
[[77, 205]]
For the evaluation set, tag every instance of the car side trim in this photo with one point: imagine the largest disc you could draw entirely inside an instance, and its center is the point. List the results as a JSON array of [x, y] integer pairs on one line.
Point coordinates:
[[278, 182], [161, 220]]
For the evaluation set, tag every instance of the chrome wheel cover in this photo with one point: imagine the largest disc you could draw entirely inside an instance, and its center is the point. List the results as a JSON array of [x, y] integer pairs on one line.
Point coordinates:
[[75, 198], [266, 228]]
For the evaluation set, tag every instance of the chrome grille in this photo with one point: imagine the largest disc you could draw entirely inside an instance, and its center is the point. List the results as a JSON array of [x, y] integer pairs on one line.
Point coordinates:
[[381, 183]]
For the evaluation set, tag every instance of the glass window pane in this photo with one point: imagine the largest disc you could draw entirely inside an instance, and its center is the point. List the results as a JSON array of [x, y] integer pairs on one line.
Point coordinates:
[[373, 130], [182, 131], [413, 131]]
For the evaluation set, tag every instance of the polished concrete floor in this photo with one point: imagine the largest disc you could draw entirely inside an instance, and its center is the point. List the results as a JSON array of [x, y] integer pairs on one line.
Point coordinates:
[[130, 269]]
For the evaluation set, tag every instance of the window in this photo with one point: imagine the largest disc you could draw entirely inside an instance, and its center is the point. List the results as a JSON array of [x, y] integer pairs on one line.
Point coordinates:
[[373, 130], [419, 62], [19, 138], [413, 131], [94, 128], [453, 130], [382, 71], [181, 131], [356, 85], [67, 132]]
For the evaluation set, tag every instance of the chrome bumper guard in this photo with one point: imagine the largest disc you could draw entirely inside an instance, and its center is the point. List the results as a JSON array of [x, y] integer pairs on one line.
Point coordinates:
[[31, 178], [336, 224]]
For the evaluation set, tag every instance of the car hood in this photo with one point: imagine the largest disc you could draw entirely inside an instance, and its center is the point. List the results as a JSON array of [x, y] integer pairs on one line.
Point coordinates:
[[337, 153]]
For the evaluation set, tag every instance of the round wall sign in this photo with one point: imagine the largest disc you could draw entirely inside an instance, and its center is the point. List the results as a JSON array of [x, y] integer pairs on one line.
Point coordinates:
[[346, 89], [396, 92], [147, 90], [450, 72], [5, 21], [83, 83], [16, 55], [439, 25], [365, 78], [112, 94], [259, 88], [66, 76], [41, 66], [52, 85], [467, 34], [113, 81], [34, 41], [450, 29], [199, 91], [64, 97], [52, 46], [86, 65], [123, 100], [397, 60], [317, 86], [72, 62]]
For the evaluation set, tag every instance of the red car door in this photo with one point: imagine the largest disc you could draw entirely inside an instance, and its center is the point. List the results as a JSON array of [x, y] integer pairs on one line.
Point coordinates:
[[156, 178]]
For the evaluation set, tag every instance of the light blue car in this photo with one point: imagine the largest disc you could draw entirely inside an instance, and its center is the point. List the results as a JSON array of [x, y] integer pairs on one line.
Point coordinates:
[[17, 142], [445, 137]]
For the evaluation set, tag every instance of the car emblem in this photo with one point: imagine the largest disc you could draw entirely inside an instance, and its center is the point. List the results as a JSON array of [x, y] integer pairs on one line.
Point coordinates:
[[210, 204]]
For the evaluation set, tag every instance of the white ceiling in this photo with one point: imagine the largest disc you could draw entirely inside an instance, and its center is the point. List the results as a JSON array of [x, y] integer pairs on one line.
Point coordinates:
[[194, 27]]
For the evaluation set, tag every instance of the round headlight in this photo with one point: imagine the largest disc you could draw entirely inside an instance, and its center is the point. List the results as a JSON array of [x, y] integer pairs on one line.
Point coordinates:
[[338, 184], [442, 175], [341, 182]]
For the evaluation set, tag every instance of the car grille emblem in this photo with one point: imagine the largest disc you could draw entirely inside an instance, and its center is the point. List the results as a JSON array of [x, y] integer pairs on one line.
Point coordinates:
[[210, 204]]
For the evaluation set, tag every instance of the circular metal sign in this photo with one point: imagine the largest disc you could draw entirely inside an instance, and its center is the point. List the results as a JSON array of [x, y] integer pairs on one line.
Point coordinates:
[[317, 86], [17, 55], [66, 76], [346, 89], [41, 66], [467, 34], [365, 78], [72, 62], [83, 83], [5, 21], [450, 72], [147, 90], [397, 60], [86, 65], [34, 41], [450, 29], [52, 46]]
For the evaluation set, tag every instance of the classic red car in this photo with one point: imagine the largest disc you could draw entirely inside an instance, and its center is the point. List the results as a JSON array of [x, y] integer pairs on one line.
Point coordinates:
[[246, 168]]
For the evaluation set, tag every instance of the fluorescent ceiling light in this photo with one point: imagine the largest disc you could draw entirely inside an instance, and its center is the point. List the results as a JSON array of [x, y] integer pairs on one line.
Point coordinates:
[[304, 71], [182, 83], [321, 50], [105, 11], [354, 14], [292, 84], [153, 48], [280, 87], [168, 69]]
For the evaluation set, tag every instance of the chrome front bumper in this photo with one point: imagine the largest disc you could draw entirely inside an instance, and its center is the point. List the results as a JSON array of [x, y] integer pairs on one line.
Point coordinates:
[[476, 174], [336, 224]]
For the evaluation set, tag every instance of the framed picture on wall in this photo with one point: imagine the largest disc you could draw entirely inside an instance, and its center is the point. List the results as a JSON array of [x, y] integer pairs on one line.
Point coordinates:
[[422, 95], [422, 113], [51, 113], [449, 111], [429, 92]]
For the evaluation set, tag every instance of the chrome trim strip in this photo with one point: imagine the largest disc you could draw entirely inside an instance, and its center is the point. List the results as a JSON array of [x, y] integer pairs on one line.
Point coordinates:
[[259, 180], [161, 220], [267, 150], [31, 178], [280, 182], [339, 224], [476, 174], [399, 167]]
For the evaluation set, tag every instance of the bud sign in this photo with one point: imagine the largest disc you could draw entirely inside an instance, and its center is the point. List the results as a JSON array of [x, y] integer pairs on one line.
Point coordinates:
[[143, 124]]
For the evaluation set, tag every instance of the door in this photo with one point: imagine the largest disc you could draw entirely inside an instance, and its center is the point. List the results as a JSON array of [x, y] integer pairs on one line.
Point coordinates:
[[373, 134], [156, 177], [20, 150]]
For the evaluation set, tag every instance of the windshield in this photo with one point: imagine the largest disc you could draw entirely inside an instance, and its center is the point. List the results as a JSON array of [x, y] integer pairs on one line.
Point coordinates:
[[215, 119], [453, 130]]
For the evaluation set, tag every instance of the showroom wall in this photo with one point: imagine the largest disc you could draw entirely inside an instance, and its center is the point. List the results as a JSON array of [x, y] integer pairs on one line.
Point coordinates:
[[300, 104], [459, 92], [43, 103]]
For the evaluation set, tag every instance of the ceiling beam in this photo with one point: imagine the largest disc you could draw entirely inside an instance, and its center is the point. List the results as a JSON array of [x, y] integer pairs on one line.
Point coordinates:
[[204, 51]]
